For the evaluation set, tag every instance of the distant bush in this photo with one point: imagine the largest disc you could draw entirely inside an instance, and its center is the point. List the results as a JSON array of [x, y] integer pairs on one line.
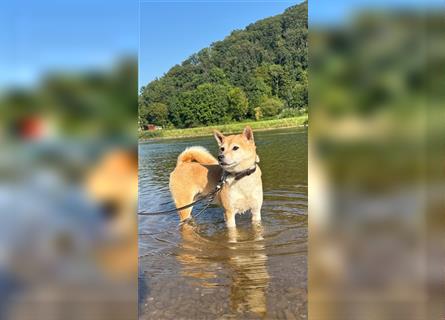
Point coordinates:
[[154, 113], [258, 113], [271, 106], [292, 112]]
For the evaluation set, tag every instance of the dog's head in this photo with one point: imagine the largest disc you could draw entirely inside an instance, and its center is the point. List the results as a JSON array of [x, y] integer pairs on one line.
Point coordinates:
[[112, 184], [236, 152]]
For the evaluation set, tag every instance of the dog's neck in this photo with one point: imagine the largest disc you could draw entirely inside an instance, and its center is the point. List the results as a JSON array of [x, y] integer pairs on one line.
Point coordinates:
[[241, 174], [244, 173]]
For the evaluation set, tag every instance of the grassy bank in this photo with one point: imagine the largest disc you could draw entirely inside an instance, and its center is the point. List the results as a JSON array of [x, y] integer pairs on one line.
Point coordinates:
[[225, 128]]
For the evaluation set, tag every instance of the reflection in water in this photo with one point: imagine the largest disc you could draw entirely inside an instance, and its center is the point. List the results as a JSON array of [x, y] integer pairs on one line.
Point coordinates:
[[250, 277], [246, 258], [203, 271]]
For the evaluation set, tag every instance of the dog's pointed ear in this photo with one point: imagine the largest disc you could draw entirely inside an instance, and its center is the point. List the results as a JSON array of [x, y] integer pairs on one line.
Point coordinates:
[[219, 137], [248, 133]]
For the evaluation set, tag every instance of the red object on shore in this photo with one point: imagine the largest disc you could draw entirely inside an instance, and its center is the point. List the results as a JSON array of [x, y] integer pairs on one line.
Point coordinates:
[[31, 128]]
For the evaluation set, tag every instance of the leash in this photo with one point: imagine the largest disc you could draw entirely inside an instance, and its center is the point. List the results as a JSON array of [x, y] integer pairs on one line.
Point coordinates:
[[210, 196], [209, 202]]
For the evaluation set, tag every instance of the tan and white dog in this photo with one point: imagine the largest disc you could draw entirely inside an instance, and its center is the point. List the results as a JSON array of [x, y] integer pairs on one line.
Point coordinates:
[[197, 173]]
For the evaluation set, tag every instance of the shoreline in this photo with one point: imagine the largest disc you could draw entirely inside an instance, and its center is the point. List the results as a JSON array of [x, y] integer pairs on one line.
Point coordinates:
[[295, 122]]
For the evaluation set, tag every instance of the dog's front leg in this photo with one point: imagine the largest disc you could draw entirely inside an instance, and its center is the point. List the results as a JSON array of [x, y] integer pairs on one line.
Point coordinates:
[[229, 216], [256, 214]]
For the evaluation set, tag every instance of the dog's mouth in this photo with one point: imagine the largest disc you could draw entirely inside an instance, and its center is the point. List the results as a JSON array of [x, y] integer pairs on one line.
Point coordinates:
[[227, 165]]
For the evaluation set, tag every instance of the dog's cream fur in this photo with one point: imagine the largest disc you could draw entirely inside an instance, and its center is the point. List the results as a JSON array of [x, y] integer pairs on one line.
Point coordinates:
[[197, 173]]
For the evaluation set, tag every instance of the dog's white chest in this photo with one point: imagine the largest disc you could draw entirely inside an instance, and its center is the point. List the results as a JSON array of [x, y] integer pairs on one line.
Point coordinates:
[[245, 194]]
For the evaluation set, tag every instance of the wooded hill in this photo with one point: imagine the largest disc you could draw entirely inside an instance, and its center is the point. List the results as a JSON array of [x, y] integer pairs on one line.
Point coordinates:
[[259, 72]]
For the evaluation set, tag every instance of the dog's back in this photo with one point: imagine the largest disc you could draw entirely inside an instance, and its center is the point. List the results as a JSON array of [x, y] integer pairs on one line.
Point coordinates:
[[196, 172]]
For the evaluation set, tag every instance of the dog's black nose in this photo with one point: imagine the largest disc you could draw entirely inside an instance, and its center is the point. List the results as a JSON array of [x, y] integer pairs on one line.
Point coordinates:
[[109, 209], [220, 157]]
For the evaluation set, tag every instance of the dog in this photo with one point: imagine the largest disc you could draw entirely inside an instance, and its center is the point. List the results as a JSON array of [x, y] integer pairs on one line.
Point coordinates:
[[197, 173], [112, 184]]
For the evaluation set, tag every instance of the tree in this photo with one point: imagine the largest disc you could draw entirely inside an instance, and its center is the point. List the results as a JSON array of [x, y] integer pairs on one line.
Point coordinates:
[[275, 76], [258, 113], [238, 104], [207, 104], [155, 113], [217, 75], [256, 89], [270, 106]]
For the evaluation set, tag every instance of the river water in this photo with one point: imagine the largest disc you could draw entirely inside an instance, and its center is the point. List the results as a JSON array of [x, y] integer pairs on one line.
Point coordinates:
[[194, 271]]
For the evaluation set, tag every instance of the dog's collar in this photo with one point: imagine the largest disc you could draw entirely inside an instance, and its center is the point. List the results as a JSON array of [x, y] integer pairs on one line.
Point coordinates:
[[241, 174], [244, 173]]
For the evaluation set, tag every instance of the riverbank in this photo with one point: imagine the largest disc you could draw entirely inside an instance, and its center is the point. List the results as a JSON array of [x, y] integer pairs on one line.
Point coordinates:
[[225, 128]]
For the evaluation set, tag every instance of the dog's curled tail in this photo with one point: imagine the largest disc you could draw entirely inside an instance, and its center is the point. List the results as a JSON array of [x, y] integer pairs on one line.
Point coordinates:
[[198, 154]]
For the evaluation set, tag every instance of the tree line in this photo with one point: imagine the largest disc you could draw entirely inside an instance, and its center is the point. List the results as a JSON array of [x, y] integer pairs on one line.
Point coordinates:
[[259, 72]]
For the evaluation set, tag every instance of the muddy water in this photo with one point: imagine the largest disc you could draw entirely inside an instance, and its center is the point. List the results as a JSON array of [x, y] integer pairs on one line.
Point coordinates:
[[196, 271]]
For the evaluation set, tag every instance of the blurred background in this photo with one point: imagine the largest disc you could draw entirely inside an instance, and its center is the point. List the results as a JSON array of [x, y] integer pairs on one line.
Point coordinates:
[[68, 166], [376, 160], [68, 103]]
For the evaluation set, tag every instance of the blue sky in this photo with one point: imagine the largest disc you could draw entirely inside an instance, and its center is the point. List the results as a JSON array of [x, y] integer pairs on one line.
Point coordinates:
[[328, 12], [37, 36], [40, 36], [170, 31]]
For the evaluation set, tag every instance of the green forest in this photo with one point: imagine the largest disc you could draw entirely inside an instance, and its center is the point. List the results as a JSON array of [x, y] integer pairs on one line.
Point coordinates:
[[256, 73]]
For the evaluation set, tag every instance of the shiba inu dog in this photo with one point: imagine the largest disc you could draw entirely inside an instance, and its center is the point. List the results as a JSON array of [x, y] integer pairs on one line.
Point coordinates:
[[197, 173], [113, 184]]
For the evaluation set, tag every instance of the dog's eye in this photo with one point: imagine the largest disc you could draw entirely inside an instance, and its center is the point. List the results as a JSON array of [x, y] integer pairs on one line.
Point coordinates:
[[235, 148], [222, 149]]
